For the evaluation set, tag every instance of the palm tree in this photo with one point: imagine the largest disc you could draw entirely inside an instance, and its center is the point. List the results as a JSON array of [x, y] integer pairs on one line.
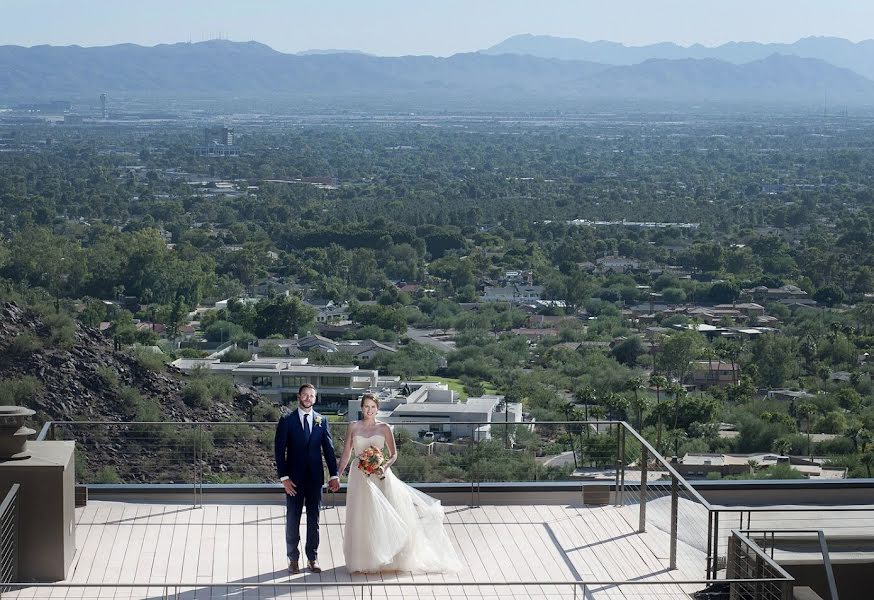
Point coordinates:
[[730, 351], [782, 446], [634, 385], [709, 353], [675, 436], [586, 396], [807, 410], [658, 382], [617, 406], [678, 390]]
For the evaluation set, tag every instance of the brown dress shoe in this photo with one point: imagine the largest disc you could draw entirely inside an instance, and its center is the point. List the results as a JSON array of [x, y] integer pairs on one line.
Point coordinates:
[[293, 566], [314, 567]]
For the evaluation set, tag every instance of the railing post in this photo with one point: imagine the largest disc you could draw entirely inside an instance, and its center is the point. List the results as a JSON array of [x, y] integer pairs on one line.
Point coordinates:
[[760, 573], [618, 467], [732, 565], [622, 463], [200, 443], [674, 508], [195, 443], [16, 539], [644, 467], [474, 476], [827, 565], [709, 544], [714, 557]]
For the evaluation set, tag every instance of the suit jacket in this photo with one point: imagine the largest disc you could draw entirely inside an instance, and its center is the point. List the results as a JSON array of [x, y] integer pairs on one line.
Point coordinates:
[[301, 460]]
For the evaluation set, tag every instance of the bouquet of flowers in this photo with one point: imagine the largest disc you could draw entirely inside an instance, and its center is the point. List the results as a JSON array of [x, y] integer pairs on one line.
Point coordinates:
[[370, 462]]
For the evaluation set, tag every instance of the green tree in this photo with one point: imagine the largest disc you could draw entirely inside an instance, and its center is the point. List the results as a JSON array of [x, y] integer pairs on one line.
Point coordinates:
[[285, 315], [776, 359]]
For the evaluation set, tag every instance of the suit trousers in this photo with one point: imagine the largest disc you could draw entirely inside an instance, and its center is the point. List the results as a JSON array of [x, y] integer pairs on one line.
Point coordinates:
[[308, 495]]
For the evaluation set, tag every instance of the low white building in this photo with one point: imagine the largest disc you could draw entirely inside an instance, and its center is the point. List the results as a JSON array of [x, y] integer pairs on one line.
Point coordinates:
[[434, 412], [512, 294], [280, 378]]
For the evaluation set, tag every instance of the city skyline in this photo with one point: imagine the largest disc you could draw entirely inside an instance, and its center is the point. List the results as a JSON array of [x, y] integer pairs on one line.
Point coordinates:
[[392, 28]]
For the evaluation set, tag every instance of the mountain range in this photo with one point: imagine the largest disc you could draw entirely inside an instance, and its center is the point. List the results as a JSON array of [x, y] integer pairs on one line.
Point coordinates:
[[858, 56], [224, 69]]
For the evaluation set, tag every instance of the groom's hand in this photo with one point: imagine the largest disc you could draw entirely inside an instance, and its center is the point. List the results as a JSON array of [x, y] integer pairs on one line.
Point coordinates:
[[334, 485], [290, 488]]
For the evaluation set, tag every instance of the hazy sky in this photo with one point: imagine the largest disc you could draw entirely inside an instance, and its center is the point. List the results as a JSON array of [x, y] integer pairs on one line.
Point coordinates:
[[438, 27]]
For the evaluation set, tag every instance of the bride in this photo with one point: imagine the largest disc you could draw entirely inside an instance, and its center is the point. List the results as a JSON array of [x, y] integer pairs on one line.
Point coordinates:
[[390, 526]]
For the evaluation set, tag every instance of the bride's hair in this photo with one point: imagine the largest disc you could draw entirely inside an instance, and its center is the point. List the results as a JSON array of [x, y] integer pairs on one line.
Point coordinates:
[[369, 396]]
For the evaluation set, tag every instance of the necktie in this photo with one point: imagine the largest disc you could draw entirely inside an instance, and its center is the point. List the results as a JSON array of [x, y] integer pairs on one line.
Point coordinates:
[[306, 427]]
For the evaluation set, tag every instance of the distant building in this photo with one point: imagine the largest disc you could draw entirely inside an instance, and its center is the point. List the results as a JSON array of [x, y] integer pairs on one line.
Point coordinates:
[[447, 418], [360, 349], [513, 294], [709, 373], [700, 465], [217, 141], [781, 294], [617, 264], [279, 378]]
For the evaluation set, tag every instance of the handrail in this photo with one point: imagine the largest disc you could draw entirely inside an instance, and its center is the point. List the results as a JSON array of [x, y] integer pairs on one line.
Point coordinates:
[[823, 548], [45, 432], [10, 497], [745, 557], [792, 508], [667, 464], [761, 553], [9, 526]]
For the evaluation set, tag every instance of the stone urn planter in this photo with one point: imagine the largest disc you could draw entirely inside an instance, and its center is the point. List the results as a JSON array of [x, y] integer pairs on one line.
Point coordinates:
[[13, 433]]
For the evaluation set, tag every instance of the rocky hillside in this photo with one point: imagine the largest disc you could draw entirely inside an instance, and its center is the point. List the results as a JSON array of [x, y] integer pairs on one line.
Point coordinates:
[[67, 372]]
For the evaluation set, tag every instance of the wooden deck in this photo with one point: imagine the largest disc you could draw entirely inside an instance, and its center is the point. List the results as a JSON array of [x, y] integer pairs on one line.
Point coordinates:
[[238, 544]]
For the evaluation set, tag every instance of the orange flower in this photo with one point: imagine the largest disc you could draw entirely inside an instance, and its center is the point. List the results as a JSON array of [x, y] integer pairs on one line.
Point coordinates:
[[370, 462]]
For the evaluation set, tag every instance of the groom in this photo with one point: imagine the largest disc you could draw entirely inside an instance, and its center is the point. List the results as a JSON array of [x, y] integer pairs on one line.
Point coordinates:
[[302, 437]]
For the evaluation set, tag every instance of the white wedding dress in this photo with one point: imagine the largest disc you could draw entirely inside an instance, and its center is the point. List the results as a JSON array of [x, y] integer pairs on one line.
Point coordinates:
[[391, 526]]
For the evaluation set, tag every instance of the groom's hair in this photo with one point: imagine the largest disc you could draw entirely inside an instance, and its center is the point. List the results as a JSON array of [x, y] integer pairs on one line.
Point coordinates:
[[306, 386]]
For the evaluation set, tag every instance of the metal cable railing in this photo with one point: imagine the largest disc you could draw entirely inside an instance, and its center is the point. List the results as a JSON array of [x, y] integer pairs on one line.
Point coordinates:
[[651, 485], [848, 521], [476, 454], [746, 560], [9, 537], [767, 540]]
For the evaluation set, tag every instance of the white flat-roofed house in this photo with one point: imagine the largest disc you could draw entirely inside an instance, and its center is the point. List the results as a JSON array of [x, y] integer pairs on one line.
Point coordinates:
[[361, 349], [279, 379], [699, 465], [512, 293], [435, 409]]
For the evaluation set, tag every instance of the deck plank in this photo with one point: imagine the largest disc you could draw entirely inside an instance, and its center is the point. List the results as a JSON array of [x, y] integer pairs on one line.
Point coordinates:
[[239, 543]]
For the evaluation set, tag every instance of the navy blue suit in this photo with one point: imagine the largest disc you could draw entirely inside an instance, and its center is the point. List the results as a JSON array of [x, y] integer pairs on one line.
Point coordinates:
[[300, 459]]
